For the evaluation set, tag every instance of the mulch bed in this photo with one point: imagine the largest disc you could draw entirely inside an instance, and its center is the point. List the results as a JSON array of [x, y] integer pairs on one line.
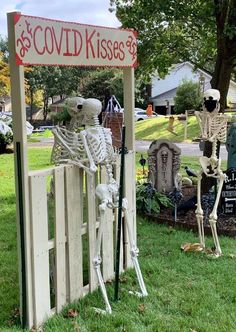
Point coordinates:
[[226, 225]]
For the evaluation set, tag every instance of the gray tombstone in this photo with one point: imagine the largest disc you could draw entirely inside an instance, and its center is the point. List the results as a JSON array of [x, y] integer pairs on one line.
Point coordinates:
[[163, 165]]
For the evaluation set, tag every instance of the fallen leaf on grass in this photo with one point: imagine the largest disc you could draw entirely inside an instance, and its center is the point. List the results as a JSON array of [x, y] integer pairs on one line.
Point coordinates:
[[72, 313], [39, 329], [123, 279], [191, 247], [232, 255], [141, 308], [109, 281], [196, 247]]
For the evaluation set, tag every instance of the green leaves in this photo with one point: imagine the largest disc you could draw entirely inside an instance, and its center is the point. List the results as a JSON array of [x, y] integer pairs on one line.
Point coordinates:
[[170, 32], [187, 97], [149, 200]]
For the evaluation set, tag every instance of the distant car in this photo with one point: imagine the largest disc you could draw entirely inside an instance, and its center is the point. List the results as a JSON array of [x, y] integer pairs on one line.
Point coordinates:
[[42, 128], [140, 114]]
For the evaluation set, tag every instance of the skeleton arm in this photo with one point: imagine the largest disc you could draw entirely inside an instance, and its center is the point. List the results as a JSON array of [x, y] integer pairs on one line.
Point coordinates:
[[93, 167], [70, 144]]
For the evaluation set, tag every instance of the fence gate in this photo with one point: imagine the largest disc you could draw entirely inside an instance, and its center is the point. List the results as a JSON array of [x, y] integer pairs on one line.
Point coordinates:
[[56, 234]]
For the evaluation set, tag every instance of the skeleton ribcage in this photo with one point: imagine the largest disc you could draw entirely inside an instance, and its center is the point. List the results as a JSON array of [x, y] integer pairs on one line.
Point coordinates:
[[100, 144], [67, 146], [219, 124]]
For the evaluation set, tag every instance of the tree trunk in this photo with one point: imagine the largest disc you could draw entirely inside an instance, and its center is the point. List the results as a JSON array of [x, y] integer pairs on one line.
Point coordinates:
[[221, 78], [222, 73]]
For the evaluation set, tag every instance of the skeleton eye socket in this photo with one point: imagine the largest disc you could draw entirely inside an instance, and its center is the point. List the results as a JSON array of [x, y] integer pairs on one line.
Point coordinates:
[[204, 98], [210, 98]]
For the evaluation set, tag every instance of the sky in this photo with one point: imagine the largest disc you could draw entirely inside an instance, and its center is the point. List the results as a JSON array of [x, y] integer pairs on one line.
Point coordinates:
[[80, 11]]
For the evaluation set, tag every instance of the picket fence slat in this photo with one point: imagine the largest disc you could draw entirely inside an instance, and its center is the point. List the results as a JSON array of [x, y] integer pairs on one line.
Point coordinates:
[[107, 239], [74, 222], [40, 253], [60, 233], [130, 194], [91, 210]]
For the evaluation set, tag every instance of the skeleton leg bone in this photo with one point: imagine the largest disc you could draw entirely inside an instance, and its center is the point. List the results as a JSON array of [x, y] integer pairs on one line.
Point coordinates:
[[213, 216], [134, 251], [199, 212], [97, 259]]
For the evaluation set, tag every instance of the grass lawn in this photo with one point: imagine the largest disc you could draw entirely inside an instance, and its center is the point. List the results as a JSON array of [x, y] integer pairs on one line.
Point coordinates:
[[187, 291], [156, 128]]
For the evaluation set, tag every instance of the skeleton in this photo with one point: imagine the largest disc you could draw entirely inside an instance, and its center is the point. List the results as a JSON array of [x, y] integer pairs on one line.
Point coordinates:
[[88, 149], [213, 129]]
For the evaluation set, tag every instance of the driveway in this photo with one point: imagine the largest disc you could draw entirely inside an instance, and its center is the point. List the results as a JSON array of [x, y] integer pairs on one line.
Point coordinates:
[[187, 149]]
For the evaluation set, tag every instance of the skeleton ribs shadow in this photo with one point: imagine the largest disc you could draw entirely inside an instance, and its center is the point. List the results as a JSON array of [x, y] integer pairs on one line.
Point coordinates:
[[88, 149]]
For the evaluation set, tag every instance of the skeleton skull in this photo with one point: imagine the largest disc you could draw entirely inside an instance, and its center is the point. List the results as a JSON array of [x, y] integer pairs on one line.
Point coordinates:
[[82, 111], [74, 104], [211, 100], [91, 108]]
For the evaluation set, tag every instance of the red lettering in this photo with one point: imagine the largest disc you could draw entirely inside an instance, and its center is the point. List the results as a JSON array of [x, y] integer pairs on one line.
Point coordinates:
[[58, 46], [89, 44], [98, 45], [104, 49], [38, 27], [109, 45], [49, 40], [122, 53], [116, 48], [76, 48], [67, 53]]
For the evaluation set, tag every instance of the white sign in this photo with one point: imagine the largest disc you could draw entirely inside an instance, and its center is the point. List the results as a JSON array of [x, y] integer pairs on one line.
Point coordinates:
[[41, 41]]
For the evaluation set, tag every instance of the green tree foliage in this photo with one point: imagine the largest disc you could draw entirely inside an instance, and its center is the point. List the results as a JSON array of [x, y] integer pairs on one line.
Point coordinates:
[[102, 84], [4, 77], [170, 31], [4, 49], [187, 97]]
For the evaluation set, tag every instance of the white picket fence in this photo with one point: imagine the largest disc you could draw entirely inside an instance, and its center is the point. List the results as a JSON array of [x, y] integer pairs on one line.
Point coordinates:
[[74, 228]]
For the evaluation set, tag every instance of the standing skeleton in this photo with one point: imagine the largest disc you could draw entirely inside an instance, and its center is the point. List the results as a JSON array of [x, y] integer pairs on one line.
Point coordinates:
[[213, 129], [88, 149]]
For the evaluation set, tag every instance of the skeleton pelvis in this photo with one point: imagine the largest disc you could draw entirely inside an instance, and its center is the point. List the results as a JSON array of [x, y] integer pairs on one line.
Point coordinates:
[[210, 166]]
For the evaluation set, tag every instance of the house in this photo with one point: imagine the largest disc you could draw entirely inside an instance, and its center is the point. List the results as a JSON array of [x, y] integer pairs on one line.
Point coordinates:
[[5, 104], [163, 91]]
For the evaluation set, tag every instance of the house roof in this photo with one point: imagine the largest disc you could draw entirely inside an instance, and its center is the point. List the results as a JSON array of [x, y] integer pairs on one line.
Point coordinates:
[[173, 84], [163, 94]]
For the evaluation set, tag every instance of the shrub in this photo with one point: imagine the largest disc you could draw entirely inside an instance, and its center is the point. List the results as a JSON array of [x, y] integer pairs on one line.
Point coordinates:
[[5, 140], [62, 117], [187, 97], [150, 200]]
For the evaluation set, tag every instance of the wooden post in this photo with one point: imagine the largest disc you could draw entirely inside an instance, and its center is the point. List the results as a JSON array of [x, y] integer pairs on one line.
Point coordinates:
[[21, 178], [129, 107], [130, 185]]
